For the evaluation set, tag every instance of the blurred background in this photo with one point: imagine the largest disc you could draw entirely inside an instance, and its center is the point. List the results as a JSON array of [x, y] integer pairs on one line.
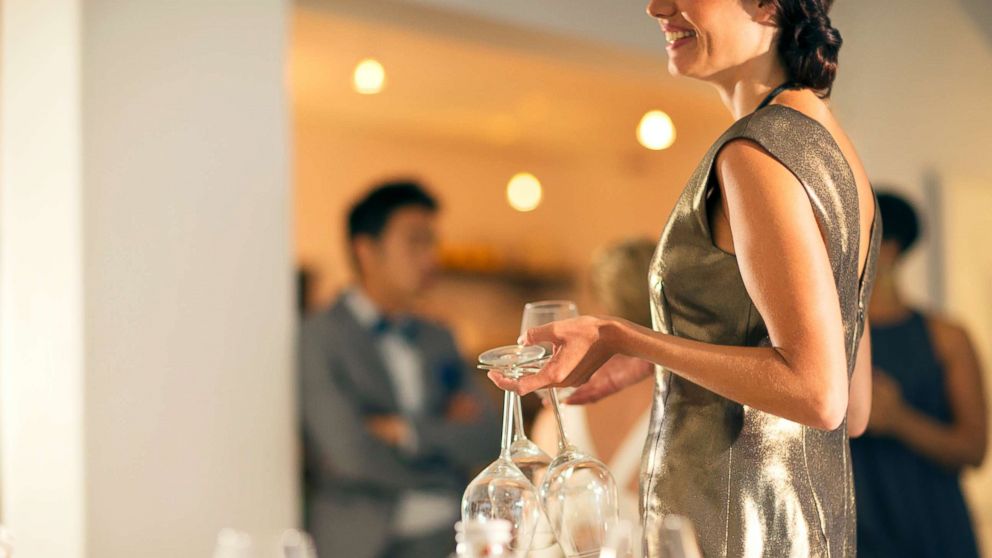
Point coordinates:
[[174, 178]]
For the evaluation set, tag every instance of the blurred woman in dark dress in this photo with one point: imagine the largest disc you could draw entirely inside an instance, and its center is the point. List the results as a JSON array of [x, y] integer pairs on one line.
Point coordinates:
[[927, 420]]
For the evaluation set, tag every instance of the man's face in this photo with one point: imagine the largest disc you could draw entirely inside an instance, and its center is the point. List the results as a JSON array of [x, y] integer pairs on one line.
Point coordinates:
[[403, 260]]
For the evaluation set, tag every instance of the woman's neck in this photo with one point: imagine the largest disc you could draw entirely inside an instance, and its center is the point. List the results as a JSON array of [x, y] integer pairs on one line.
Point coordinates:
[[744, 87]]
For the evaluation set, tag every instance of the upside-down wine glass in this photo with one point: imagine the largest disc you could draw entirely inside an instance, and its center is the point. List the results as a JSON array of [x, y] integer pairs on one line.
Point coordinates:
[[579, 493], [501, 490]]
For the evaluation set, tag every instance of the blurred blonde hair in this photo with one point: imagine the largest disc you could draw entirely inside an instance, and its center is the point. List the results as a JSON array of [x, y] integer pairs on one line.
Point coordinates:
[[619, 279]]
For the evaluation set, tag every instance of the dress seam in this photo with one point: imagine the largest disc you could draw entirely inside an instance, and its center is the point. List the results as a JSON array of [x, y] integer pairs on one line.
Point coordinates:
[[816, 499]]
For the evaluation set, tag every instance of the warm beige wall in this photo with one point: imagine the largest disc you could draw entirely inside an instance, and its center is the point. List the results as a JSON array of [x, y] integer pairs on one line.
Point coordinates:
[[588, 200]]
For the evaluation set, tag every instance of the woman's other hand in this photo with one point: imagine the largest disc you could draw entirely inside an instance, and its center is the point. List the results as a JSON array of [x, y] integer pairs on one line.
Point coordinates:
[[886, 404], [619, 372]]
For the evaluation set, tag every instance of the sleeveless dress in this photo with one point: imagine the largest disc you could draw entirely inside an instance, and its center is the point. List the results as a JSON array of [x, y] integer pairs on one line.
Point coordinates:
[[753, 484], [909, 505]]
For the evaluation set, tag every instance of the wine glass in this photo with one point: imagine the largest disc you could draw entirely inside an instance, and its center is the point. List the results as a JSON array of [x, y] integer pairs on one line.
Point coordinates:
[[525, 454], [501, 490], [579, 493]]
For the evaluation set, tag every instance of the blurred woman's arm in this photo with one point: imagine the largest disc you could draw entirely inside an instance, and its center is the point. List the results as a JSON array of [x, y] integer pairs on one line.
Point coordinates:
[[954, 445]]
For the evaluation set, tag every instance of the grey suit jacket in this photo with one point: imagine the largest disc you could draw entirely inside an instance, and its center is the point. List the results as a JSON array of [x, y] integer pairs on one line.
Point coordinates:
[[352, 479]]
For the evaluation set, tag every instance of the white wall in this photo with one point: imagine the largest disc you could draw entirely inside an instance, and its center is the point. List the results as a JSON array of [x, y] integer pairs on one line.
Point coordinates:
[[147, 279]]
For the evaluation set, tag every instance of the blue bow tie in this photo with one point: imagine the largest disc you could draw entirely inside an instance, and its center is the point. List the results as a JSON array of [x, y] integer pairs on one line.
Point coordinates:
[[407, 329]]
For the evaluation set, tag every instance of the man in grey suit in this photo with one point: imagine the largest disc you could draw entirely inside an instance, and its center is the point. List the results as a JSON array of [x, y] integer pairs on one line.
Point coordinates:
[[393, 421]]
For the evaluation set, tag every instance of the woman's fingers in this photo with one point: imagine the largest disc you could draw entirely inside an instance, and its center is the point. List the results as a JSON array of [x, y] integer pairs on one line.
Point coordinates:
[[589, 393], [547, 377], [599, 386], [539, 334], [502, 381]]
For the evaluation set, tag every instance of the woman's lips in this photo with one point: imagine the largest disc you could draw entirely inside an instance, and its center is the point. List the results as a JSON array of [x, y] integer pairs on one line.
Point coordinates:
[[677, 38]]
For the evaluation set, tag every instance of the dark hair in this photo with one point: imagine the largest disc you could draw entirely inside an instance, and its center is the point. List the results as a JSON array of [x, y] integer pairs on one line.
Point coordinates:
[[899, 221], [808, 44], [370, 214]]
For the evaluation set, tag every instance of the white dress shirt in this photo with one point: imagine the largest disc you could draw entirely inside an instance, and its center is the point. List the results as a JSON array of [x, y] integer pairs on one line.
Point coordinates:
[[417, 512]]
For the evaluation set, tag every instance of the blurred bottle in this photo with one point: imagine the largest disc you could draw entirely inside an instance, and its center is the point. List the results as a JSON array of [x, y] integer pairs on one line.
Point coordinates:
[[623, 540], [6, 543], [232, 543], [297, 544], [678, 538], [483, 539]]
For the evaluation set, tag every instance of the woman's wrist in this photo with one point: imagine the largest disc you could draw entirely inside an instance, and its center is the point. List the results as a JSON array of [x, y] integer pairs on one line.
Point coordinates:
[[902, 420], [616, 334]]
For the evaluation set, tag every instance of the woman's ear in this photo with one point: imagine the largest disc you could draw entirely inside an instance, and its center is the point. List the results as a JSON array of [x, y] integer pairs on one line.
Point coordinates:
[[765, 12]]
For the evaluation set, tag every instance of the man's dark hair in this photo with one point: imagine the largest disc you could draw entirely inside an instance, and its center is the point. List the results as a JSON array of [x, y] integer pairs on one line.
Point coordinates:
[[371, 213], [899, 221]]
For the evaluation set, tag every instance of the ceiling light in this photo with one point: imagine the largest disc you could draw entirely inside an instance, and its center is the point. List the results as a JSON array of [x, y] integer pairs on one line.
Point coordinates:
[[524, 192], [656, 130], [369, 77]]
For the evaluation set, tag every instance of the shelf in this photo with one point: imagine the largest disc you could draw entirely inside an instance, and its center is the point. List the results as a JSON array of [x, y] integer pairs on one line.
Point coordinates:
[[525, 278]]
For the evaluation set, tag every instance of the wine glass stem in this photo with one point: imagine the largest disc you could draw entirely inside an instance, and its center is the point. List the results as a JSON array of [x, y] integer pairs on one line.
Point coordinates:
[[563, 442], [518, 418], [508, 406]]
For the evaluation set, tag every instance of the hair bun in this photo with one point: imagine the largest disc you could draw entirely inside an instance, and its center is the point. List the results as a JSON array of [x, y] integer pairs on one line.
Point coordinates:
[[808, 43]]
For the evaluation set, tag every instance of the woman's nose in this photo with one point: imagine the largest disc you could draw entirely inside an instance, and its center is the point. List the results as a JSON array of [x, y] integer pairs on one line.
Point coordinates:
[[662, 9]]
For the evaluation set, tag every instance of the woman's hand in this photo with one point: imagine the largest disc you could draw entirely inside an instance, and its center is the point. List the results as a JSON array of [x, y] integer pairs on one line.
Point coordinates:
[[619, 372], [581, 346], [887, 404]]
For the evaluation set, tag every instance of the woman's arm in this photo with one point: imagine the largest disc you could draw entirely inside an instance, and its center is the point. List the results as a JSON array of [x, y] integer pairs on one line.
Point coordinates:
[[783, 260], [960, 443]]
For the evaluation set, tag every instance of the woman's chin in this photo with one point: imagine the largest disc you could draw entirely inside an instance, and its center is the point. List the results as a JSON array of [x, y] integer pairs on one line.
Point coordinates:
[[678, 70]]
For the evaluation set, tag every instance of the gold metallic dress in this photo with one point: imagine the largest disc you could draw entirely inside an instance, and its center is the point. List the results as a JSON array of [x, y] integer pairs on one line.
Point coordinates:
[[753, 484]]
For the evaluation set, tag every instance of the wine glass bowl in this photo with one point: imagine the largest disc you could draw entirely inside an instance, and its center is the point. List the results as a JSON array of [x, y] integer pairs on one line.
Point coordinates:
[[579, 496], [501, 491]]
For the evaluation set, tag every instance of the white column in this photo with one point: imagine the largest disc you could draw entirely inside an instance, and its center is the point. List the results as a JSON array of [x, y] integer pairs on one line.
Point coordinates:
[[146, 307], [41, 278]]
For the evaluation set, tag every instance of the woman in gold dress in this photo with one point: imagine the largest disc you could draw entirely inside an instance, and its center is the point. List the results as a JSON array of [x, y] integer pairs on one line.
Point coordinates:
[[758, 291]]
